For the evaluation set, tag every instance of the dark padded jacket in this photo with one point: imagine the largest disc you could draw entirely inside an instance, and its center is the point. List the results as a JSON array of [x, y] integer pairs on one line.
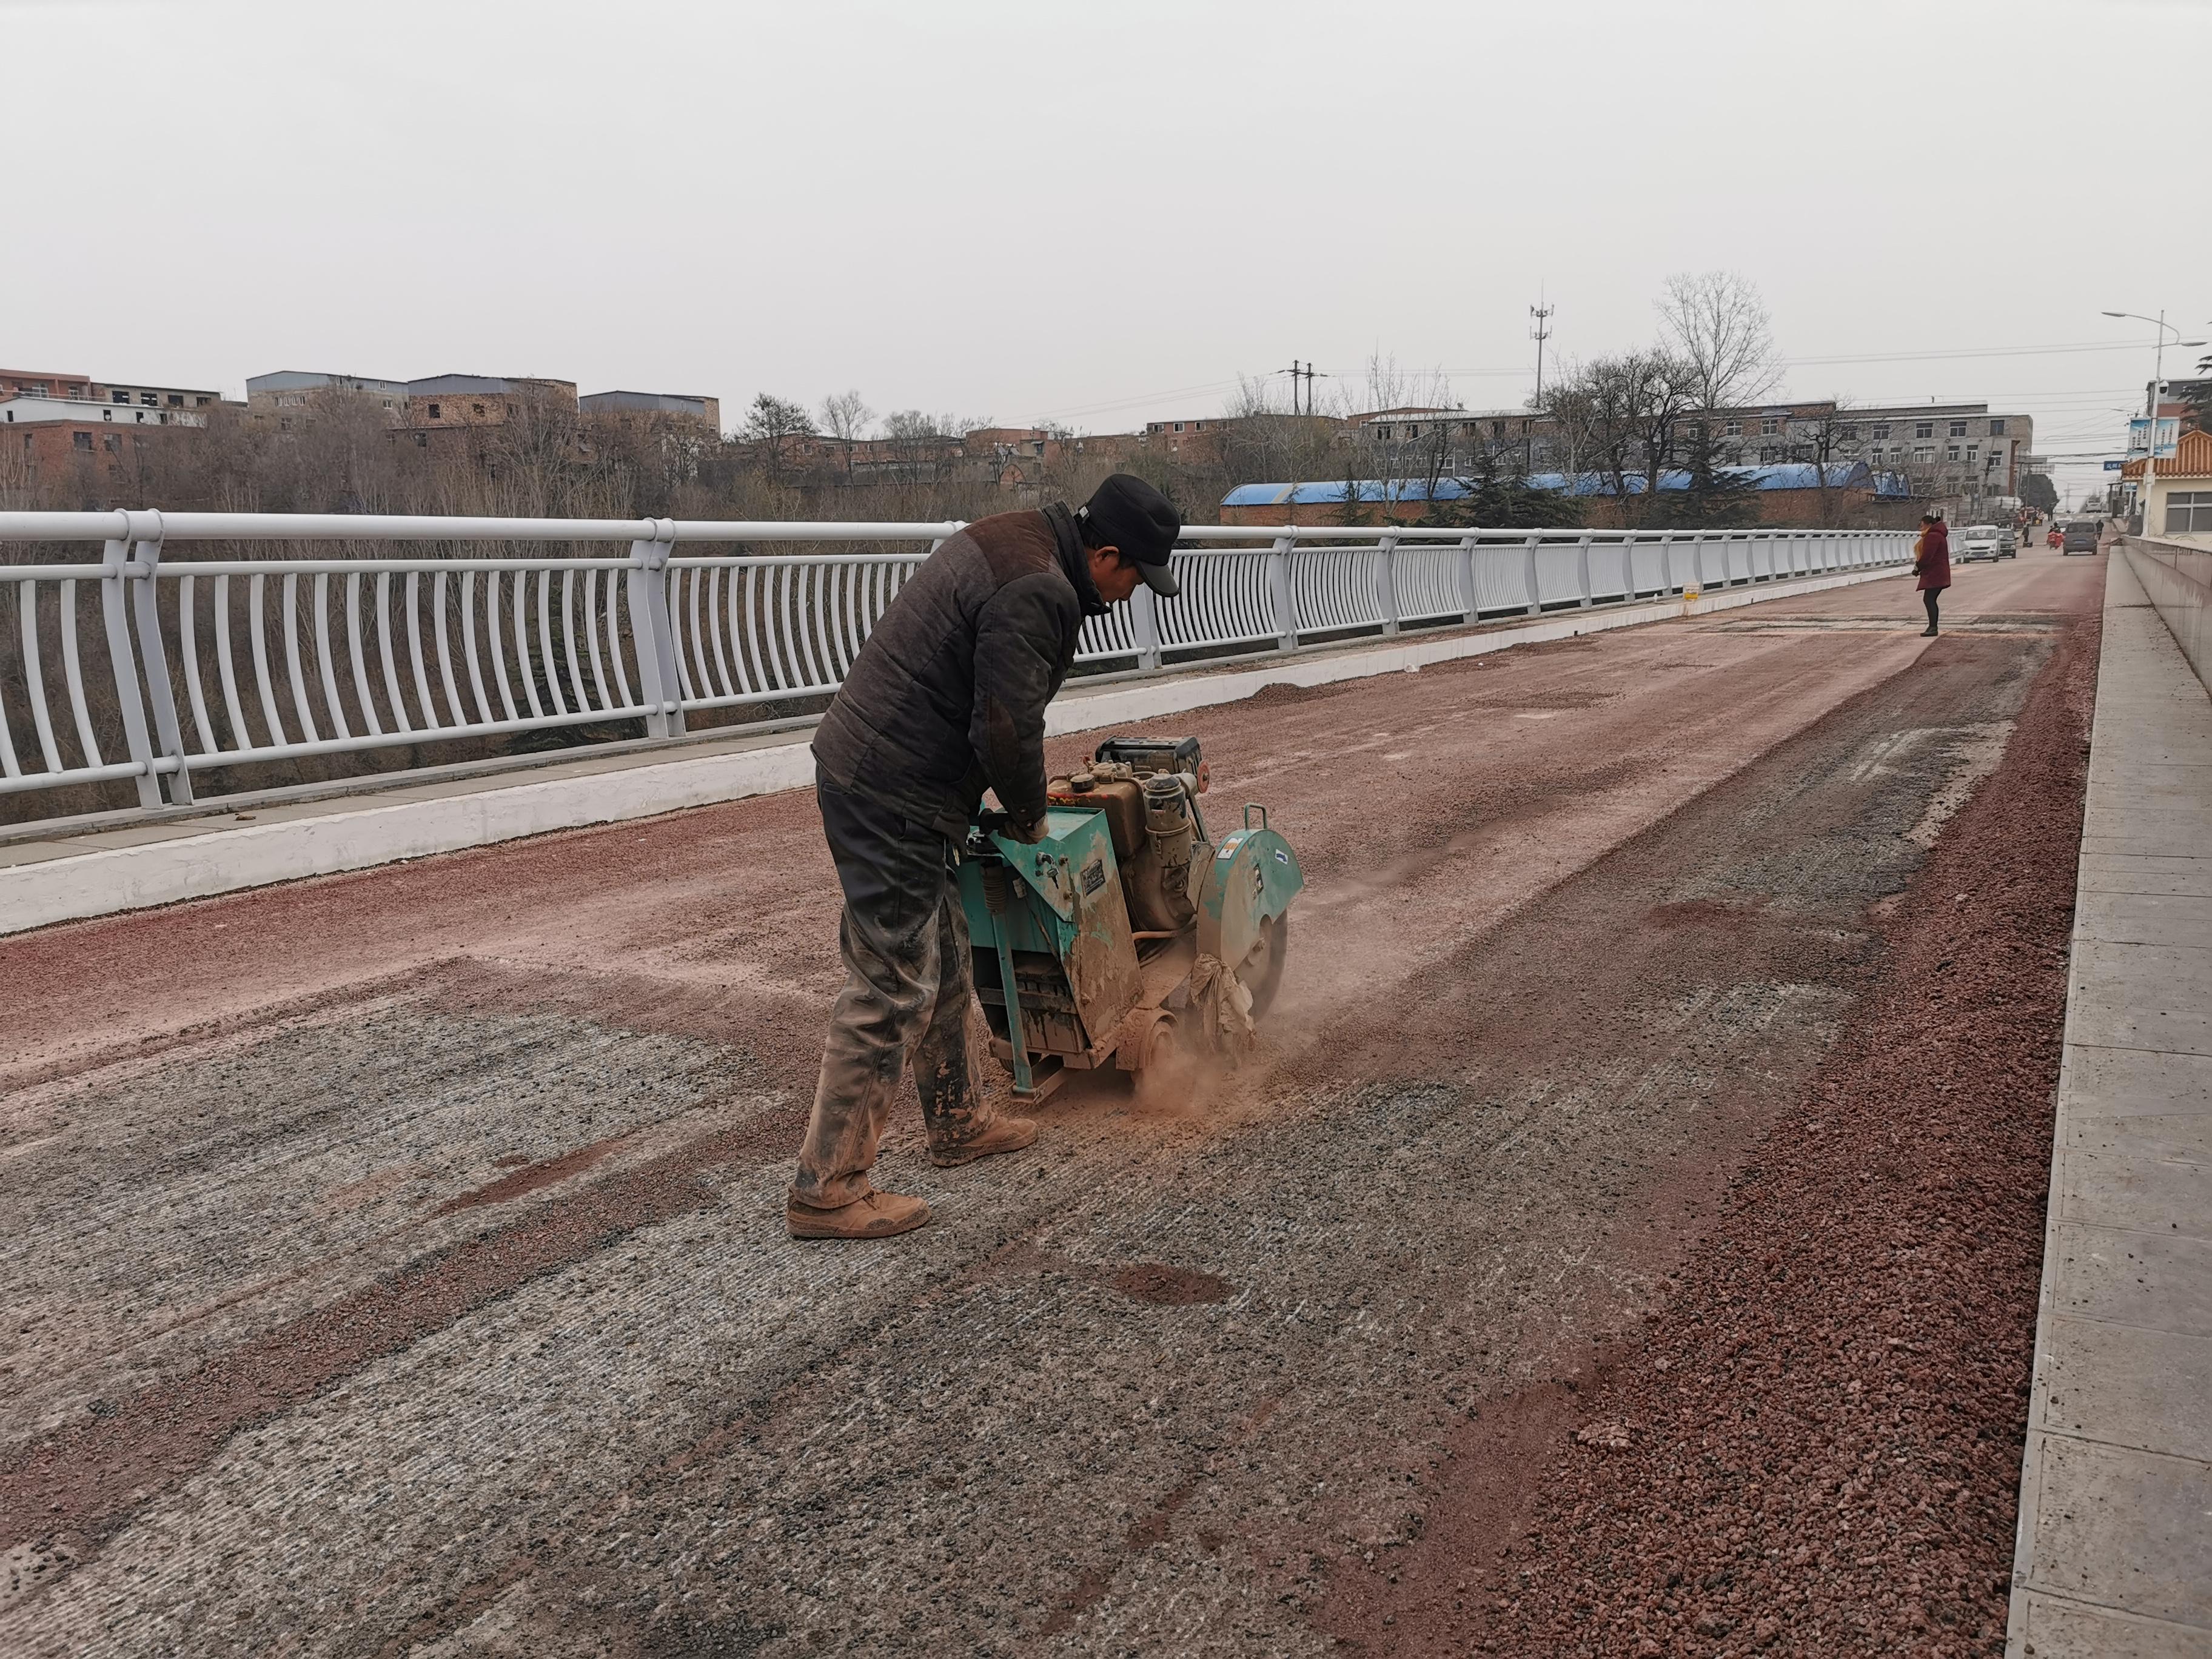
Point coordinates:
[[948, 693]]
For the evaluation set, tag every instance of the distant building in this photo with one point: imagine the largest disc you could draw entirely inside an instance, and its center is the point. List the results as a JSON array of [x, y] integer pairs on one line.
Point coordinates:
[[26, 410], [42, 397], [666, 408], [1961, 455], [52, 434], [1786, 493], [1004, 442], [55, 421], [22, 382], [2180, 507], [444, 401], [276, 396], [1194, 441], [156, 396]]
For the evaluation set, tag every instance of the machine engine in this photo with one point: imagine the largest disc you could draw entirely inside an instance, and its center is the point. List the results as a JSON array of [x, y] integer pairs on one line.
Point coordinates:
[[1125, 933], [1148, 789]]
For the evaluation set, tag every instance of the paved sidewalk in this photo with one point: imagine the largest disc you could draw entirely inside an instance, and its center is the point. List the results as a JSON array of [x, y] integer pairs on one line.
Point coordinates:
[[2115, 1553]]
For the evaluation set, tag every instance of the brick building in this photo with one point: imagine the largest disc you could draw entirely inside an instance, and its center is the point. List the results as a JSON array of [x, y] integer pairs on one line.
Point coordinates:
[[279, 396], [446, 401], [702, 416], [1196, 441], [51, 447]]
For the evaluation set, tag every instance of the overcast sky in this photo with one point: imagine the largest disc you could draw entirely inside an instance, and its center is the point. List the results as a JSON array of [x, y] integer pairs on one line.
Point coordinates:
[[1096, 213]]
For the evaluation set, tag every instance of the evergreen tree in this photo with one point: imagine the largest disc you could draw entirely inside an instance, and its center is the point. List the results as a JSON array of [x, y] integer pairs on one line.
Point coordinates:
[[1717, 497]]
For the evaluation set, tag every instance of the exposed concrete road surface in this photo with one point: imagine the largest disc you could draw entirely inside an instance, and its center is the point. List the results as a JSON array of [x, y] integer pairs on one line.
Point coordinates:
[[395, 1261]]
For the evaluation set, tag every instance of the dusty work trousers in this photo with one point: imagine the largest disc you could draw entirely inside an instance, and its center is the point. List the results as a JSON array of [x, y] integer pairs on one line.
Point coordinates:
[[907, 985]]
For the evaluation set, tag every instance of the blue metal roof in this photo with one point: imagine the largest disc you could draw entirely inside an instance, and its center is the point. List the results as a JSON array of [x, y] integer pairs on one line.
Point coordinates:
[[1369, 489]]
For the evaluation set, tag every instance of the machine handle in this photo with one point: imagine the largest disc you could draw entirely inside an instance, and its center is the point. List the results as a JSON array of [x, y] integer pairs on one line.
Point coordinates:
[[1252, 806]]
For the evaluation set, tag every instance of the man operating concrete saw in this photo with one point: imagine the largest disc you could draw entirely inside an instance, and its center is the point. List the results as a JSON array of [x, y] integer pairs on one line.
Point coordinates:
[[946, 697]]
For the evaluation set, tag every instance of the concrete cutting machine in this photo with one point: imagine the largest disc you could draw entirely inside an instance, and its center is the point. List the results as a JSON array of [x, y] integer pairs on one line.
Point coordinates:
[[1128, 935]]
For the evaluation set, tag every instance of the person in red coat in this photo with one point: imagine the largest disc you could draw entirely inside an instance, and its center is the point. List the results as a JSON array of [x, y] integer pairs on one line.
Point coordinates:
[[1931, 562]]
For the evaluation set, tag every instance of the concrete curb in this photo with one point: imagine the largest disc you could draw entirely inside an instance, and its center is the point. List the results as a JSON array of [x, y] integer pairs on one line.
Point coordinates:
[[136, 868]]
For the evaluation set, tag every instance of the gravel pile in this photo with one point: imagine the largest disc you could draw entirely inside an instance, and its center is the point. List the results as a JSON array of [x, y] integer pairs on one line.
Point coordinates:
[[1816, 1448]]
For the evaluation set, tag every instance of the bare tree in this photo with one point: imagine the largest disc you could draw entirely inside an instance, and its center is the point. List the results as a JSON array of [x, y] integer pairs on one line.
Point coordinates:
[[1621, 417], [1255, 396], [845, 418], [1717, 325], [1387, 385]]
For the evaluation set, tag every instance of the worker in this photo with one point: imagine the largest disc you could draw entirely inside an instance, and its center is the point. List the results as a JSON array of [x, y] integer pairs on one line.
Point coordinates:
[[946, 696], [1931, 562]]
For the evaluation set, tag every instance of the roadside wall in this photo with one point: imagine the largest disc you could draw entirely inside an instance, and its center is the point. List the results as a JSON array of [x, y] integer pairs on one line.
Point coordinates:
[[2179, 578]]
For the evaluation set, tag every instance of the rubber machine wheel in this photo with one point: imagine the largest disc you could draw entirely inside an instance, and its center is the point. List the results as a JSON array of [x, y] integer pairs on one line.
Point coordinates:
[[1261, 970], [1165, 1081]]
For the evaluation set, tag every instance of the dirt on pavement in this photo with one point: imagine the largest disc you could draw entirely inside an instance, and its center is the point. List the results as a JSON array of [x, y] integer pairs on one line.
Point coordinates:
[[1814, 1444], [398, 1260]]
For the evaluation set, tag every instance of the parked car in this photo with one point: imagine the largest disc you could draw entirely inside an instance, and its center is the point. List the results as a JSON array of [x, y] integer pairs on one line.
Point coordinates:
[[2082, 536], [1977, 541]]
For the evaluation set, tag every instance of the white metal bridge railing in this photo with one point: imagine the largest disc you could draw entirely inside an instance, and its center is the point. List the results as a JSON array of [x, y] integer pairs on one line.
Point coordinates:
[[392, 631]]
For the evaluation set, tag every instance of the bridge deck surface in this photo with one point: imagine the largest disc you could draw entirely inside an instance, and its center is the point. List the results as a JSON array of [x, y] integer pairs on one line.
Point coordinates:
[[399, 1262]]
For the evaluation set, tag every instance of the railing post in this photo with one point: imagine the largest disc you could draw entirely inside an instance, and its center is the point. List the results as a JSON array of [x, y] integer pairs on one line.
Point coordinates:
[[124, 664], [1535, 594], [1282, 593], [1466, 587], [1582, 565], [146, 548], [1628, 566], [656, 649], [1698, 561], [1666, 563], [1144, 625], [1386, 582]]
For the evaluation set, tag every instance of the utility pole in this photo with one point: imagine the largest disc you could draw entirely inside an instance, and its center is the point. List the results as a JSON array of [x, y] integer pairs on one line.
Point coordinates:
[[1295, 373], [1540, 332]]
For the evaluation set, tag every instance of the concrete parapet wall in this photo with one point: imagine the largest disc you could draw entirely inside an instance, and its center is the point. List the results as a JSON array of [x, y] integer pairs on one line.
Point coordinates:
[[141, 864], [2178, 580]]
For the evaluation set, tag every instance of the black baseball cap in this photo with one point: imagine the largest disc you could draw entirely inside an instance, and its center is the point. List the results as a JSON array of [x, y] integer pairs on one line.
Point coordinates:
[[1127, 514]]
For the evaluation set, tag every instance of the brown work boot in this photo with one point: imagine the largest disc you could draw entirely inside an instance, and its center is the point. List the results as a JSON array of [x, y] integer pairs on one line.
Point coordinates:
[[1001, 1134], [871, 1215]]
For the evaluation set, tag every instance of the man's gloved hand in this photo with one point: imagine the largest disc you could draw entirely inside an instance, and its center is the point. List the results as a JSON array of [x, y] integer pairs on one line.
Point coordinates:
[[1031, 832]]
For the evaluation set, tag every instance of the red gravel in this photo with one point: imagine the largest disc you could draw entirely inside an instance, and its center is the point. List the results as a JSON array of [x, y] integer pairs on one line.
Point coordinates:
[[1824, 1425]]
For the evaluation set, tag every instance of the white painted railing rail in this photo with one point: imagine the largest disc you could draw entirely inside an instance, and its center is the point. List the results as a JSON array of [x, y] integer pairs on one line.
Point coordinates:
[[200, 657]]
